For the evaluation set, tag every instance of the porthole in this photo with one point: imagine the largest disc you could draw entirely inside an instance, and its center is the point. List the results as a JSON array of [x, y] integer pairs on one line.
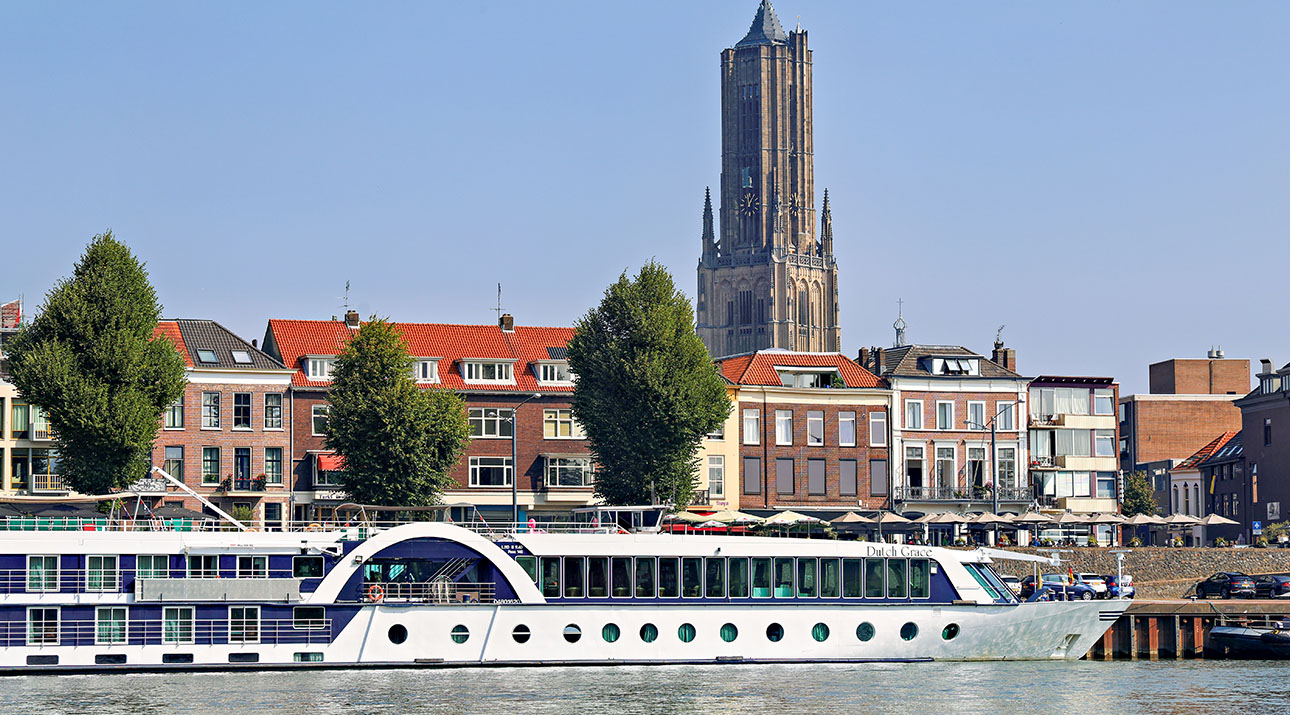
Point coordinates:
[[649, 633], [820, 632], [610, 632], [460, 634], [729, 633], [909, 631], [774, 632], [685, 632], [521, 634], [572, 633], [950, 631], [398, 633], [864, 631]]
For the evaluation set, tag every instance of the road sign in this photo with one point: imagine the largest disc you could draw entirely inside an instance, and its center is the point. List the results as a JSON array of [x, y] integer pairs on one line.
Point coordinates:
[[1258, 528]]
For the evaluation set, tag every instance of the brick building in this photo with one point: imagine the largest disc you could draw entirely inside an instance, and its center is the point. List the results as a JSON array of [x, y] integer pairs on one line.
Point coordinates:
[[229, 436], [1189, 487], [946, 398], [813, 432], [1265, 426], [1226, 472], [1072, 439], [28, 460], [509, 375]]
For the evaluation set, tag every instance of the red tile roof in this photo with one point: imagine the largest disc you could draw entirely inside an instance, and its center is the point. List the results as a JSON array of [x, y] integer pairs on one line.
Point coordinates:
[[295, 339], [1204, 452], [759, 368], [170, 329]]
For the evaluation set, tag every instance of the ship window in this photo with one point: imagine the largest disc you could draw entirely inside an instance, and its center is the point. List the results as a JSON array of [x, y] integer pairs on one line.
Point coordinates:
[[729, 632], [774, 632], [909, 631], [460, 634], [110, 625], [715, 578], [610, 632], [621, 574], [685, 632], [529, 564], [397, 633], [252, 567], [783, 578], [307, 657], [874, 586], [919, 579], [692, 577], [864, 631], [761, 578], [307, 567], [806, 578], [667, 577], [244, 657], [42, 573], [42, 660], [572, 633], [829, 584], [42, 626], [175, 658], [550, 577], [598, 576], [950, 632], [177, 624], [645, 577], [101, 574], [203, 566], [820, 632], [573, 577], [244, 624], [897, 583], [521, 634], [309, 617], [152, 566], [649, 633], [852, 581], [739, 578], [109, 659]]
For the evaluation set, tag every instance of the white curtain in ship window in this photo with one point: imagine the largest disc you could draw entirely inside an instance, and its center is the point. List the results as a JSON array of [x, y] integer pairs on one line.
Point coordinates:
[[1072, 401], [1074, 443]]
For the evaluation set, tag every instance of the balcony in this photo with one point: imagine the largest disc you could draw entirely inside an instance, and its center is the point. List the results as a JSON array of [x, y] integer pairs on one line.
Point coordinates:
[[961, 494], [1073, 421], [247, 485], [47, 484], [700, 497], [1042, 462], [40, 432]]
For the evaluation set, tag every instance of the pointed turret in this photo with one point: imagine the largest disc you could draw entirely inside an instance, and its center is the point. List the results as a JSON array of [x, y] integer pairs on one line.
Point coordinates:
[[709, 235], [765, 29], [826, 227]]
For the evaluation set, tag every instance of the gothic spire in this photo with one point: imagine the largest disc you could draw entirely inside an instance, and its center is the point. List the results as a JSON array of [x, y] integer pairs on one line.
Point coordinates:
[[826, 227], [709, 235], [765, 29]]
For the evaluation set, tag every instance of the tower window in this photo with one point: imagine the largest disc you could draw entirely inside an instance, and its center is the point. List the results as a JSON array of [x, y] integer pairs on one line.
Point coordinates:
[[746, 177]]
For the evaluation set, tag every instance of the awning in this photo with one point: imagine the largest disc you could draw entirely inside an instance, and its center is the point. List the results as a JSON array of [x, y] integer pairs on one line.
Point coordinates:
[[330, 462]]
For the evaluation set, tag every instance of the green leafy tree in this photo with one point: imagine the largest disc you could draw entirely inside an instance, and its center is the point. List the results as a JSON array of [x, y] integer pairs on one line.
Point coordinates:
[[398, 440], [647, 390], [1139, 497], [90, 361]]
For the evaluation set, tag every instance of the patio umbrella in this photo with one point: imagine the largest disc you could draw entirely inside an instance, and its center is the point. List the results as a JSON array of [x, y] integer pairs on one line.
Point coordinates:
[[950, 517], [889, 518], [850, 518], [789, 518], [1181, 520], [177, 512], [686, 516], [1106, 519], [728, 516], [711, 524], [1144, 520], [1032, 517], [987, 518], [1070, 518], [1216, 520]]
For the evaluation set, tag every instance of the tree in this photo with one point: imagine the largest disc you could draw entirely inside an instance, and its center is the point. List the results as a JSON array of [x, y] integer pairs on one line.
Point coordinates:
[[90, 362], [1139, 497], [398, 440], [647, 390]]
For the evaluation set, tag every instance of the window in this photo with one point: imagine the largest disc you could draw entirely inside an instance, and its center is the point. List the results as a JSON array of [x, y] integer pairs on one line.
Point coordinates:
[[1105, 443], [569, 472], [848, 485], [425, 371], [241, 410], [645, 577], [244, 624], [1006, 468], [42, 626], [560, 424], [319, 415], [273, 465], [784, 476], [175, 414], [944, 415], [815, 482], [1267, 431], [946, 469], [752, 475], [490, 471], [913, 414], [320, 368], [174, 464], [1074, 443], [309, 618], [555, 372], [814, 428], [490, 422], [152, 566], [489, 372], [210, 465], [203, 566], [914, 468], [207, 356], [1106, 486], [177, 624], [878, 429], [1005, 416], [752, 426], [976, 466], [241, 463], [784, 427], [307, 567], [241, 357], [252, 567], [976, 415], [716, 476], [210, 410], [101, 573], [109, 625], [273, 410], [877, 477], [1103, 402], [846, 429], [42, 574], [874, 574]]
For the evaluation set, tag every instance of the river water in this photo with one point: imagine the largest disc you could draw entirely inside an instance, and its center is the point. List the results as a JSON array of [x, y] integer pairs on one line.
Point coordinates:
[[1089, 688]]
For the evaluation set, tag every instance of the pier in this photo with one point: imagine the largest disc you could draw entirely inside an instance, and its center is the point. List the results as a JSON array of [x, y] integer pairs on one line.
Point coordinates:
[[1179, 629]]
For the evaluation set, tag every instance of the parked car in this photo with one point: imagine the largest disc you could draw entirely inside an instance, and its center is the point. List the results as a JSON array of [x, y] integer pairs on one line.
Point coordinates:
[[1272, 586], [1012, 582], [1116, 589], [1060, 585], [1226, 584], [1095, 582]]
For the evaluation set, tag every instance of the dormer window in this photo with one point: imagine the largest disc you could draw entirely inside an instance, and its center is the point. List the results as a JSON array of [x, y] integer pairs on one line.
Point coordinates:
[[954, 366], [484, 371], [320, 368], [207, 357], [426, 371], [557, 373], [792, 377], [241, 357]]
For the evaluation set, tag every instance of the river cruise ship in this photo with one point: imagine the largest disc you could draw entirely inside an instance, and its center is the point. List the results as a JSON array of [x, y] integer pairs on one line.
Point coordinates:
[[441, 594]]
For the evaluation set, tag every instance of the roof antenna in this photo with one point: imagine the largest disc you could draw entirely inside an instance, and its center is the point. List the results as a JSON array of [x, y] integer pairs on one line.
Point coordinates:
[[498, 309], [998, 337], [345, 298]]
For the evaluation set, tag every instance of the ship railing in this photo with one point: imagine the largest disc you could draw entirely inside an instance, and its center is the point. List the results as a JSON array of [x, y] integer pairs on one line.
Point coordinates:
[[441, 592], [120, 580], [354, 529], [43, 628]]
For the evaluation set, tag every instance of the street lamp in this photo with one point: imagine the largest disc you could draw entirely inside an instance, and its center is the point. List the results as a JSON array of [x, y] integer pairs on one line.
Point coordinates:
[[515, 462]]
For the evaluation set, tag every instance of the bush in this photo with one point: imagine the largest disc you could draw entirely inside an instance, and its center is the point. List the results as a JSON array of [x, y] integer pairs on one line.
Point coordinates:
[[243, 513]]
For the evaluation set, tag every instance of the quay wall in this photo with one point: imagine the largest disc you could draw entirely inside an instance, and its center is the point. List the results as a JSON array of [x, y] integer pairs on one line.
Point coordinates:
[[1161, 573]]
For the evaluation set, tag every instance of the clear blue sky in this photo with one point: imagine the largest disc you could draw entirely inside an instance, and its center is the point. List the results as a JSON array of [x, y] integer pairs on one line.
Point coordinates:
[[1109, 179]]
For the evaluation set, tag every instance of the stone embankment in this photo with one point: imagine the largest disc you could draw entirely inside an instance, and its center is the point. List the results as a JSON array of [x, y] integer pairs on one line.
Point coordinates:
[[1161, 572]]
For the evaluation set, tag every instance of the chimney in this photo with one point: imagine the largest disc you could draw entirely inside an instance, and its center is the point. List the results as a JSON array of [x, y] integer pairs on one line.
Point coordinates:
[[879, 362], [351, 319], [507, 323], [1004, 357], [1219, 352], [255, 343], [1267, 365], [863, 358]]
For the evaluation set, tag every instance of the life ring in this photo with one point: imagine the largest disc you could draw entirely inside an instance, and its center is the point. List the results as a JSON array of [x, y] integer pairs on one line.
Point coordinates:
[[375, 592], [252, 528], [314, 527]]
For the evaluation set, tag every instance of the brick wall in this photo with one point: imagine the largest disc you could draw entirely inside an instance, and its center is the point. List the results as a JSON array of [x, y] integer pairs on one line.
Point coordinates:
[[1200, 377], [1175, 429]]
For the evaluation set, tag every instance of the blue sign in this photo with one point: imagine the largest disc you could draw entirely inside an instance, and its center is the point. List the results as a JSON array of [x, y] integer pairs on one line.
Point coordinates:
[[1258, 527]]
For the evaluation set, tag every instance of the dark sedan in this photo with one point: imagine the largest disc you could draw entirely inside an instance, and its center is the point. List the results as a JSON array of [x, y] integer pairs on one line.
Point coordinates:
[[1060, 586], [1226, 584], [1272, 586]]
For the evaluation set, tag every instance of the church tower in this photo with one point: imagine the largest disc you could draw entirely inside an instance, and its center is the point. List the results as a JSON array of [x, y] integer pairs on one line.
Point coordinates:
[[766, 280]]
